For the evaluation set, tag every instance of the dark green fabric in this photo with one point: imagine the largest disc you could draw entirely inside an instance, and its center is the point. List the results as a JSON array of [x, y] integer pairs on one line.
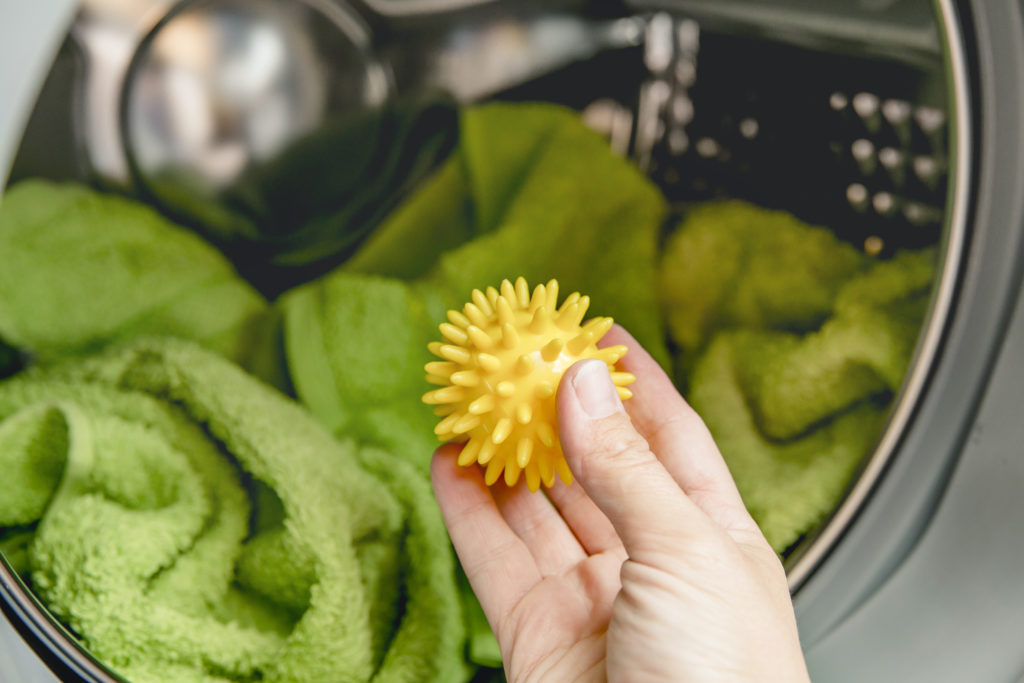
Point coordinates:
[[529, 192], [136, 466], [10, 360], [300, 214]]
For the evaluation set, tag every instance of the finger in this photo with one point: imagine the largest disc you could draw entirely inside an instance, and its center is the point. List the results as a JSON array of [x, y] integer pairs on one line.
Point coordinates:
[[617, 469], [536, 521], [593, 529], [497, 563], [678, 437]]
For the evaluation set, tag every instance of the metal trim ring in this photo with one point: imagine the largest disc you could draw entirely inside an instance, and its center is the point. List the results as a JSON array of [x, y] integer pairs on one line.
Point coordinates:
[[58, 650], [806, 561]]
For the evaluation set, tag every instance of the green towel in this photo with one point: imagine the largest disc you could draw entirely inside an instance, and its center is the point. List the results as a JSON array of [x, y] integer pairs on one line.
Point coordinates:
[[792, 383], [82, 270], [787, 486], [188, 523], [793, 346], [732, 264], [531, 192]]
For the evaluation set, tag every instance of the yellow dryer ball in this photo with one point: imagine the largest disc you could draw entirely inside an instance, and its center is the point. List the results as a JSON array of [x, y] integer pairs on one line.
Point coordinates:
[[503, 356]]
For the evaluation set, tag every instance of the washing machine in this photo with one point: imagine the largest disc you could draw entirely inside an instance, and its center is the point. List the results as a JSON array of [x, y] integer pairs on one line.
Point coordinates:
[[901, 119]]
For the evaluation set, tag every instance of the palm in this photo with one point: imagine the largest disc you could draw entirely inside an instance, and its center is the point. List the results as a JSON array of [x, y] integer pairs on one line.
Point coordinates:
[[558, 628], [558, 574]]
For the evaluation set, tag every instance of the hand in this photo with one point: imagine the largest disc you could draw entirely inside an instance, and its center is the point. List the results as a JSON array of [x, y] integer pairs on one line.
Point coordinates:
[[647, 568]]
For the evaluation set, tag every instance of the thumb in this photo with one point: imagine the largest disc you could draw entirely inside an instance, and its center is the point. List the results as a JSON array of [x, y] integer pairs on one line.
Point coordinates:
[[616, 467]]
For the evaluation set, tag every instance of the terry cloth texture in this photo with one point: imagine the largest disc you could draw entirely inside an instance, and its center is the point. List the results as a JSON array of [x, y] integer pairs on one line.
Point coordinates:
[[83, 270], [188, 523], [733, 264], [793, 346]]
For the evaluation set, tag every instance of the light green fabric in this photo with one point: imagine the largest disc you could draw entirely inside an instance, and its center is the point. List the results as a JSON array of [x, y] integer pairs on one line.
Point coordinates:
[[82, 270], [194, 525], [735, 265], [356, 346], [531, 192], [787, 486], [792, 383], [792, 345]]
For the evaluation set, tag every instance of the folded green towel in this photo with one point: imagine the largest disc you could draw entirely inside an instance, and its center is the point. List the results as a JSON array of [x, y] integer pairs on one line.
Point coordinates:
[[787, 486], [793, 345], [732, 264], [863, 349], [188, 523], [82, 270]]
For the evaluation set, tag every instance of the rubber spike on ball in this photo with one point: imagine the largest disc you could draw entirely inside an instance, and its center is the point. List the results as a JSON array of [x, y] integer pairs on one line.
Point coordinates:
[[501, 360]]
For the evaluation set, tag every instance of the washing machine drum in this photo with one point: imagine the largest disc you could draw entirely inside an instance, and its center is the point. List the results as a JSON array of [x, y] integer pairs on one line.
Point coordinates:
[[874, 119]]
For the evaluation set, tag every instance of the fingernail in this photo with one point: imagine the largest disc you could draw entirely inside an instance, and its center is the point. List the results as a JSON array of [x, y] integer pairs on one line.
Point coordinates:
[[595, 391]]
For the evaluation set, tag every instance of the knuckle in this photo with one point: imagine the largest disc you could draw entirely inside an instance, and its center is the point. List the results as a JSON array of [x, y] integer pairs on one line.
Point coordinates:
[[619, 441], [618, 455], [685, 421]]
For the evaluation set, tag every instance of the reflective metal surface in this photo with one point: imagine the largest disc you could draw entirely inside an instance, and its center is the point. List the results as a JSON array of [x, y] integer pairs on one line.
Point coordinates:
[[180, 99], [17, 662], [107, 33], [219, 86]]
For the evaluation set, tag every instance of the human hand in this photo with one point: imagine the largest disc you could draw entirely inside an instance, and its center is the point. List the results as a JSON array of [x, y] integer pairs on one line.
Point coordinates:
[[647, 568]]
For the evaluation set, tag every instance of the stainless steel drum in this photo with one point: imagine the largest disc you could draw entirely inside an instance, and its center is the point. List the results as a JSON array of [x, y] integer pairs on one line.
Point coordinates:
[[897, 122]]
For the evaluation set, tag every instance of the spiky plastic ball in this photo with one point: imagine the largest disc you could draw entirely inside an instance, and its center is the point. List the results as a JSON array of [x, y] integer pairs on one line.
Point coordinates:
[[502, 359]]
